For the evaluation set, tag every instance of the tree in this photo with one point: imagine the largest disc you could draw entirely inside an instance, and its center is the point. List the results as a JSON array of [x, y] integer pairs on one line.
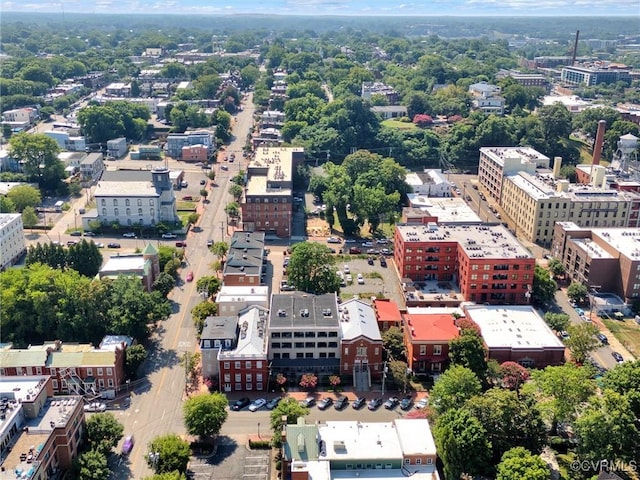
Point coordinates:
[[209, 284], [310, 269], [168, 453], [513, 375], [556, 267], [309, 381], [557, 321], [582, 341], [398, 374], [561, 390], [518, 463], [201, 312], [334, 380], [39, 156], [544, 287], [205, 414], [167, 476], [6, 205], [204, 193], [462, 444], [468, 350], [193, 218], [92, 465], [625, 380], [220, 249], [606, 429], [29, 217], [393, 342], [235, 191], [453, 388], [232, 209], [164, 284], [289, 408], [103, 432], [24, 196], [85, 258], [134, 356], [577, 292]]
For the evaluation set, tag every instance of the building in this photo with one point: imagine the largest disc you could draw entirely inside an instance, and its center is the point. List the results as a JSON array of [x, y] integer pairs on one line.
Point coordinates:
[[246, 260], [390, 111], [40, 434], [79, 369], [304, 334], [591, 75], [117, 148], [424, 210], [369, 89], [486, 98], [535, 202], [272, 119], [387, 314], [92, 166], [147, 152], [176, 142], [267, 205], [20, 117], [573, 103], [118, 89], [145, 266], [361, 345], [12, 242], [606, 259], [499, 162], [195, 153], [231, 299], [245, 367], [364, 450], [430, 183], [427, 334], [486, 261], [218, 333], [134, 197], [524, 79], [517, 334]]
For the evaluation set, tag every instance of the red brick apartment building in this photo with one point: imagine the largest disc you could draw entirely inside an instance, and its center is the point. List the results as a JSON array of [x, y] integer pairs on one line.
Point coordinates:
[[486, 261], [426, 338]]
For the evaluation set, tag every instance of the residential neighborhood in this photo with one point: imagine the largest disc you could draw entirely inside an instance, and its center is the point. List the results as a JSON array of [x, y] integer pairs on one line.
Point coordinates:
[[254, 253]]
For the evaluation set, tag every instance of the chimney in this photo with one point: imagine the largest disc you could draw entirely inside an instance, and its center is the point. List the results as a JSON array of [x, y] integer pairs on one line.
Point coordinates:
[[597, 146], [557, 165]]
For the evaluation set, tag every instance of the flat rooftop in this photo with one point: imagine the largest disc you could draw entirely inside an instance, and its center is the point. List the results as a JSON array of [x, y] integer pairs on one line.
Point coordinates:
[[124, 263], [125, 189], [591, 248], [447, 210], [513, 326], [230, 293], [524, 154], [257, 185], [355, 440], [487, 240], [297, 310], [278, 161]]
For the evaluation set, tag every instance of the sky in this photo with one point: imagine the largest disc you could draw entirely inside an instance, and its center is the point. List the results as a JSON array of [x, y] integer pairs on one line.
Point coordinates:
[[335, 7]]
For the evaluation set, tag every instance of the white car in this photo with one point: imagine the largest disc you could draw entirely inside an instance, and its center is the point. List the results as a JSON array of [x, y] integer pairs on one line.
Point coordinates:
[[129, 235], [348, 278], [422, 403], [257, 404], [169, 235], [360, 279], [95, 407], [347, 269]]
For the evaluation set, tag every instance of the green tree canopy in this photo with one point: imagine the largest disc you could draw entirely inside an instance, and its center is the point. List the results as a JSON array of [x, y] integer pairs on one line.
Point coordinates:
[[577, 292], [393, 341], [453, 388], [103, 432], [625, 380], [168, 453], [468, 350], [557, 321], [310, 269], [290, 408], [205, 414], [24, 196], [39, 156], [164, 283], [544, 287], [134, 356], [519, 463], [92, 465], [582, 341]]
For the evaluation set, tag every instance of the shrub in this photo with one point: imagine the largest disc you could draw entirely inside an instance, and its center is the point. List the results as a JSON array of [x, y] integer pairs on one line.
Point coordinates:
[[259, 444]]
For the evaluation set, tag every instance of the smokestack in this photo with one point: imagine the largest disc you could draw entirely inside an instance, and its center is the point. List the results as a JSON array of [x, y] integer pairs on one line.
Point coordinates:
[[575, 49], [597, 146], [557, 165]]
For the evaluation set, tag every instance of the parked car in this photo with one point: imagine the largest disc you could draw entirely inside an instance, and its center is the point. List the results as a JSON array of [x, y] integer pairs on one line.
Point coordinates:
[[76, 233], [618, 358], [406, 402], [89, 234], [129, 235], [187, 197], [95, 407], [391, 403], [367, 244], [564, 335], [169, 235], [257, 404], [370, 260], [325, 403], [184, 184], [341, 402], [359, 403], [355, 251], [422, 403], [333, 240], [349, 240], [240, 404], [113, 245], [203, 182], [127, 446], [382, 241], [100, 245], [383, 262], [273, 403], [360, 279], [181, 244], [224, 167], [374, 403], [189, 277], [346, 269], [308, 402], [209, 243], [385, 251], [71, 242]]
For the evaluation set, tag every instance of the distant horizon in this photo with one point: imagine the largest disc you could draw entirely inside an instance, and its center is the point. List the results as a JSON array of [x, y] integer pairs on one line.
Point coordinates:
[[334, 8]]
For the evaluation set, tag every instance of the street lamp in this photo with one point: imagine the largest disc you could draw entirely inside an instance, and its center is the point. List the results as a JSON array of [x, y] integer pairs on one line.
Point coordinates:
[[258, 429]]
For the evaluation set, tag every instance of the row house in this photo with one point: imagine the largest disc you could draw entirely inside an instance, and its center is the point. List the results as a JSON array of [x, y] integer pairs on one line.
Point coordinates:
[[486, 261], [246, 260], [387, 314], [272, 119], [176, 142], [74, 368]]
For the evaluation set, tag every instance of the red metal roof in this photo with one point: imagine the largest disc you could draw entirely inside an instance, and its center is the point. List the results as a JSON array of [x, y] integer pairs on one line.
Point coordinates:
[[436, 327], [387, 310]]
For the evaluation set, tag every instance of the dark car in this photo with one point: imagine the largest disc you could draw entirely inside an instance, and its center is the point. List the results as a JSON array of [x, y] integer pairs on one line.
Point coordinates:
[[374, 403], [76, 233], [180, 244], [240, 404], [618, 358], [603, 338], [359, 403], [355, 251], [308, 402], [72, 242], [273, 403], [325, 403], [341, 402], [383, 262], [391, 403], [113, 245], [203, 182], [406, 402]]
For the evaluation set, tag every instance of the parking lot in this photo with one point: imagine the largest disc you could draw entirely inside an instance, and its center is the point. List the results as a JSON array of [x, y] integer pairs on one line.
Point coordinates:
[[231, 462]]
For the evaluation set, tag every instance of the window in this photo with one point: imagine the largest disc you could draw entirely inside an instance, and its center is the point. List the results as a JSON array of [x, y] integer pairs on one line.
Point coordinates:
[[407, 461], [437, 349], [258, 377], [100, 372], [238, 364], [362, 351], [333, 344], [226, 365], [115, 202], [275, 345], [286, 344], [104, 212], [238, 387], [89, 372], [238, 377], [249, 377], [127, 203], [116, 212], [423, 349], [259, 364], [128, 212], [109, 372], [418, 461], [247, 364], [103, 202], [151, 202]]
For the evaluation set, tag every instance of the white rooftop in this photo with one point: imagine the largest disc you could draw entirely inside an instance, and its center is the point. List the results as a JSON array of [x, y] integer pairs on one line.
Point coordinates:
[[447, 209], [123, 263], [252, 337], [257, 185], [591, 248], [125, 189], [229, 293], [358, 319], [360, 440], [524, 154], [513, 326]]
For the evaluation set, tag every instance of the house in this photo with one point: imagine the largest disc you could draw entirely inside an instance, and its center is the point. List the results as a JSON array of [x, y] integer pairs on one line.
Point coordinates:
[[424, 210], [40, 433], [231, 299], [147, 152], [486, 98], [370, 89], [387, 314], [364, 450], [390, 111], [134, 197], [427, 333], [20, 118], [360, 344], [118, 89], [516, 333], [92, 166], [304, 333], [144, 265], [272, 119], [430, 183], [117, 147], [195, 153], [246, 260], [219, 333], [12, 243], [176, 141]]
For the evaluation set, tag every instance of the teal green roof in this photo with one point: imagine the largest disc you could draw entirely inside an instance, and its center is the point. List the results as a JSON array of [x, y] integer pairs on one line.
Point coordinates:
[[302, 442], [150, 249]]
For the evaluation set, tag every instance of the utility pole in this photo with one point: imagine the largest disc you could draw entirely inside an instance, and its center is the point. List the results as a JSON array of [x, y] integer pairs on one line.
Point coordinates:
[[384, 375], [186, 372], [222, 230]]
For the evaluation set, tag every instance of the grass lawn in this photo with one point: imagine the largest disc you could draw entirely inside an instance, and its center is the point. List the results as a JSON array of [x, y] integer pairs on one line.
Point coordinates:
[[186, 205], [400, 125], [184, 216], [627, 332]]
